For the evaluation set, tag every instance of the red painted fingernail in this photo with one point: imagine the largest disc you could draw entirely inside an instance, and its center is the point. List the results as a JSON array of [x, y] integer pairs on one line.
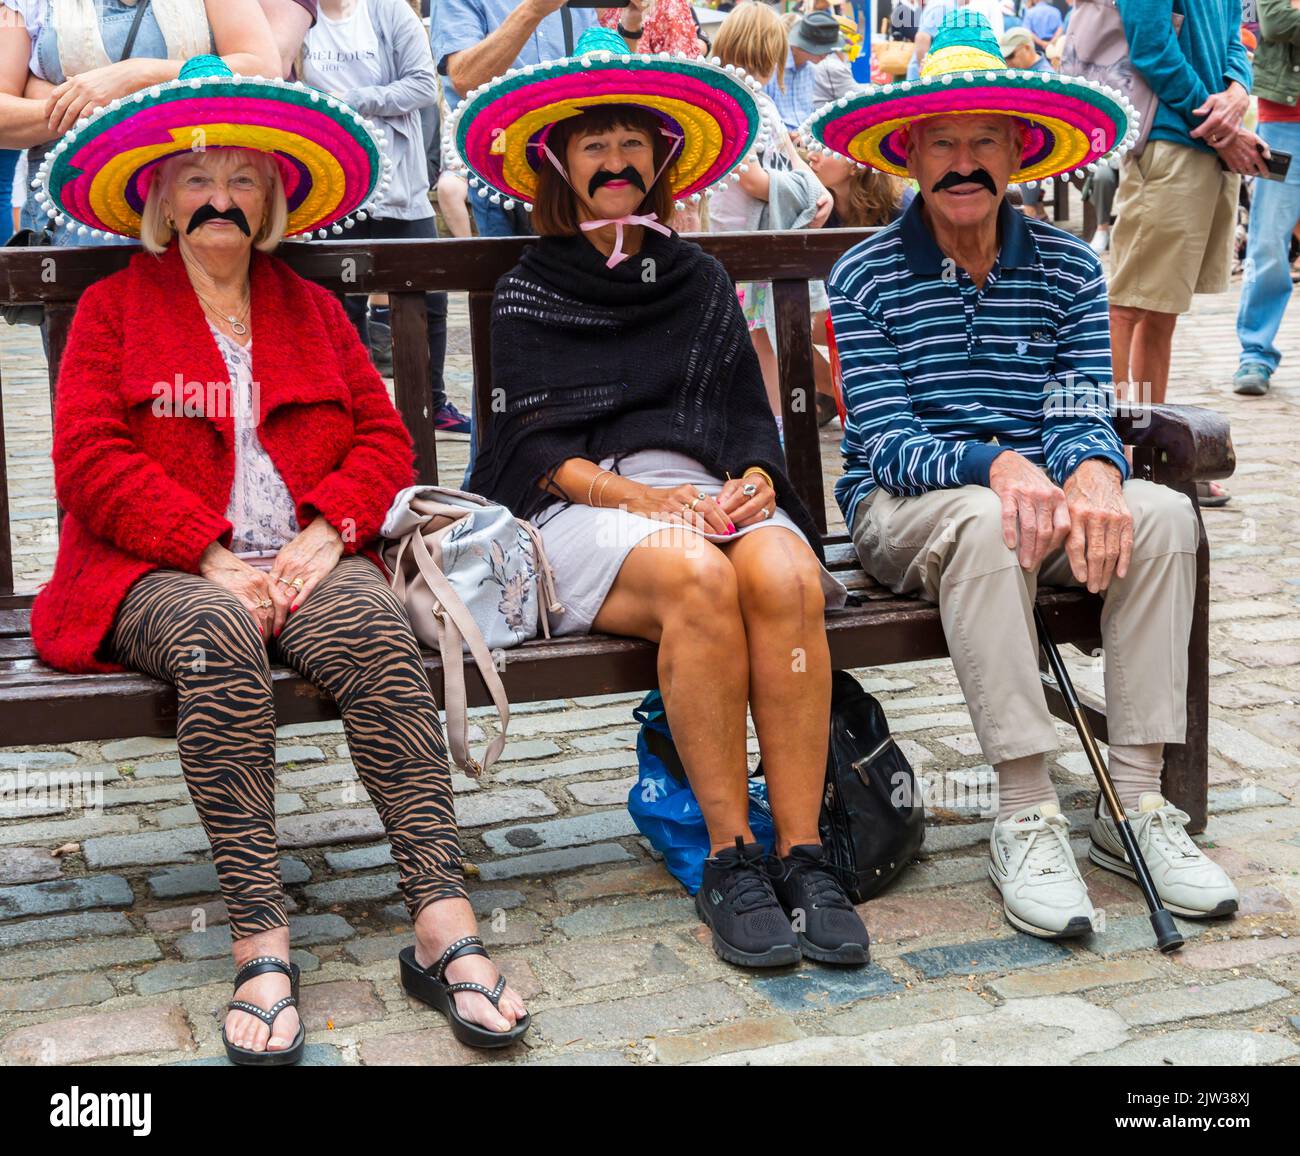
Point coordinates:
[[733, 526], [293, 608]]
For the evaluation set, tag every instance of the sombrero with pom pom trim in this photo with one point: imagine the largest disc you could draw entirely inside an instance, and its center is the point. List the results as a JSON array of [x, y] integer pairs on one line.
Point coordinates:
[[330, 157], [500, 129], [1072, 122]]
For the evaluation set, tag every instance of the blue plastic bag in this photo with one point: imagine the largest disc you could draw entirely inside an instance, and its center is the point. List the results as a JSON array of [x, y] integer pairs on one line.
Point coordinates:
[[664, 807]]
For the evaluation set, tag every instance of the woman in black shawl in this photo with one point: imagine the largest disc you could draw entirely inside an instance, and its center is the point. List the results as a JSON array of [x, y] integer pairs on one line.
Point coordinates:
[[630, 422]]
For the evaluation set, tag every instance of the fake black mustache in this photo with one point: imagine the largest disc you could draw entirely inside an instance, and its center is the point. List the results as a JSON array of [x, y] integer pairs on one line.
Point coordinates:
[[603, 177], [205, 213], [978, 177]]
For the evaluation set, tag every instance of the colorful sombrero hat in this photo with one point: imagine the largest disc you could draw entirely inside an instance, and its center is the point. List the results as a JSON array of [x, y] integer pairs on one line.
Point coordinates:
[[1073, 122], [500, 129], [330, 157]]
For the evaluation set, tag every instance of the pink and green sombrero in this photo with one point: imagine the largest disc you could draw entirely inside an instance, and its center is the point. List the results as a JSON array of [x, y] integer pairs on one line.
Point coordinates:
[[1073, 122], [500, 129], [330, 157]]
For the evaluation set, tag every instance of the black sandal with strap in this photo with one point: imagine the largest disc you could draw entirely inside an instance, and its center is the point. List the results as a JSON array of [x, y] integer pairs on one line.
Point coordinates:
[[268, 1058], [427, 985]]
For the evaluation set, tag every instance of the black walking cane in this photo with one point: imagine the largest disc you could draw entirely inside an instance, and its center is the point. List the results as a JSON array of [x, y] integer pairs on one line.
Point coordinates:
[[1162, 923]]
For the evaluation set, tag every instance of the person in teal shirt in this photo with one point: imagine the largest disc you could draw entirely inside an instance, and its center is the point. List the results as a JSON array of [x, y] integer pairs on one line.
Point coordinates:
[[1176, 208]]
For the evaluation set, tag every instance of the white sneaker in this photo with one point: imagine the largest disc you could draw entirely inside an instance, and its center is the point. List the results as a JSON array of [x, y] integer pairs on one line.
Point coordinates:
[[1031, 862], [1187, 882], [1100, 241]]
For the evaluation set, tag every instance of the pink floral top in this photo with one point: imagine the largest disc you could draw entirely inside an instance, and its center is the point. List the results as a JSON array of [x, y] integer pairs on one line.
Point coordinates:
[[670, 28]]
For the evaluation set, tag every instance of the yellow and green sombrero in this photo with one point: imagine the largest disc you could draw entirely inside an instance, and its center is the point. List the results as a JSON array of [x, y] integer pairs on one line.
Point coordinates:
[[1072, 122], [500, 129], [330, 157]]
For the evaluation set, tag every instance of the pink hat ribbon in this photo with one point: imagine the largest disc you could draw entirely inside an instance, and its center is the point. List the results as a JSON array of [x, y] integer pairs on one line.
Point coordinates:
[[649, 221]]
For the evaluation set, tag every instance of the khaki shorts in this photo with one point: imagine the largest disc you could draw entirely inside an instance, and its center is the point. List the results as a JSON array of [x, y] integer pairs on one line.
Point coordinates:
[[1175, 219]]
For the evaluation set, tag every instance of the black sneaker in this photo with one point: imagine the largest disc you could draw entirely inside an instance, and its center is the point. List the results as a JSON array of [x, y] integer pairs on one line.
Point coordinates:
[[737, 903], [828, 927]]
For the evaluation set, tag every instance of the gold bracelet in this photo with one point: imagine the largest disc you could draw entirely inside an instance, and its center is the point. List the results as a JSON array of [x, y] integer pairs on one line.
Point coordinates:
[[600, 498], [765, 475], [592, 484]]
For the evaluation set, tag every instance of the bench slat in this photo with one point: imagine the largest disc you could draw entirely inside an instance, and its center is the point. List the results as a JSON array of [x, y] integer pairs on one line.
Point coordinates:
[[52, 707]]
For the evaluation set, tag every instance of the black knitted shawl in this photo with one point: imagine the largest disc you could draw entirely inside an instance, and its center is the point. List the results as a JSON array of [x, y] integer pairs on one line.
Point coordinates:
[[589, 362]]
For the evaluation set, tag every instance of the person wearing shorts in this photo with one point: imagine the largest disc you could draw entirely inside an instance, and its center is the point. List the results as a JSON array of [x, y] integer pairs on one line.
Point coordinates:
[[1177, 202]]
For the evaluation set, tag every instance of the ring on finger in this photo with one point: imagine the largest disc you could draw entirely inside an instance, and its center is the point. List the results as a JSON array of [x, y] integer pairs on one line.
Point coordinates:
[[698, 499], [749, 489], [766, 512], [265, 604]]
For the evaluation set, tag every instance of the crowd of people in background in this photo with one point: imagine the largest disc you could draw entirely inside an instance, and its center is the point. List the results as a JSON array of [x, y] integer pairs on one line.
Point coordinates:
[[408, 64]]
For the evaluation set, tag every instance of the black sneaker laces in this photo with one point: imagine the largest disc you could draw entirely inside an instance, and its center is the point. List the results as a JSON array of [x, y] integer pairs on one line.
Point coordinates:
[[823, 888], [747, 884]]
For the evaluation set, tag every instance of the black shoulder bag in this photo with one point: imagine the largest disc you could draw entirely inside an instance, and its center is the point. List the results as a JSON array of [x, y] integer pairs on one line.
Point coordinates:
[[872, 821], [873, 817]]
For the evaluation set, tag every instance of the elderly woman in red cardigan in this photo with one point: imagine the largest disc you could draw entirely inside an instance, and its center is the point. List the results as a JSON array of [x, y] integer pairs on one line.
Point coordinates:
[[225, 454]]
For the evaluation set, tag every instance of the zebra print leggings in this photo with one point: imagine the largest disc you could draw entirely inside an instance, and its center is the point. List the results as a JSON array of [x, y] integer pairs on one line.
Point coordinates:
[[351, 638]]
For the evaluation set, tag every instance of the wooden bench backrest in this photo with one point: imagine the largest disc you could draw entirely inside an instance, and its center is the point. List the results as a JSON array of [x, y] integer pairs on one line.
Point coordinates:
[[406, 270]]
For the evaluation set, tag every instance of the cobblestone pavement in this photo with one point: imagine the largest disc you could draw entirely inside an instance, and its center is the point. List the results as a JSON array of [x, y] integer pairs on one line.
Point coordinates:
[[118, 951]]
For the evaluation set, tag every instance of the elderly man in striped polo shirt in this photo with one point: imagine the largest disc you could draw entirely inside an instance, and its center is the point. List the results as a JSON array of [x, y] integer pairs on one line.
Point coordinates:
[[980, 458]]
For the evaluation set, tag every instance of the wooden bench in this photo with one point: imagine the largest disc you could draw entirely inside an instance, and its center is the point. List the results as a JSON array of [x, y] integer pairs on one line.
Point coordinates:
[[1172, 445]]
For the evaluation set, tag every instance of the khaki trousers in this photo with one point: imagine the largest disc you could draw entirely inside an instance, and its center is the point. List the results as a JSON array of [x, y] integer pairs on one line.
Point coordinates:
[[946, 546]]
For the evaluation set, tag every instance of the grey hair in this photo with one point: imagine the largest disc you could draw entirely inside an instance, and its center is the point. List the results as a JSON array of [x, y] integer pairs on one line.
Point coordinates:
[[156, 234]]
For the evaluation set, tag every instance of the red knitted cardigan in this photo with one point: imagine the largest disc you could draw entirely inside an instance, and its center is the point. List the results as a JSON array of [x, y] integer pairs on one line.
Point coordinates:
[[145, 484]]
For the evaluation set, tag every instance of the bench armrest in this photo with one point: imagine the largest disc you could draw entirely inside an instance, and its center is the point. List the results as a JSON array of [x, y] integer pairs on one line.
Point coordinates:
[[1191, 443]]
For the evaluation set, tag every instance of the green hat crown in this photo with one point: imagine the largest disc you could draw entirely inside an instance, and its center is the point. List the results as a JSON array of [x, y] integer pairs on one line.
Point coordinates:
[[962, 28], [600, 39], [204, 66]]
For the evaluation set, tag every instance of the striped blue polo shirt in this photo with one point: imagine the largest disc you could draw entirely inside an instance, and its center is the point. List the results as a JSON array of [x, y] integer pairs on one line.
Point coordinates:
[[936, 369]]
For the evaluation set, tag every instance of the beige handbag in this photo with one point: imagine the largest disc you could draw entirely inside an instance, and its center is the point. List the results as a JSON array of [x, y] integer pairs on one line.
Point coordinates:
[[892, 56], [472, 577]]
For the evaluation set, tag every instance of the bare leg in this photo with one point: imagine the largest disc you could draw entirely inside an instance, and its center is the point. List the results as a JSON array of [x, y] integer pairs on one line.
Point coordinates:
[[1152, 351], [453, 193], [790, 674], [677, 589], [1123, 321]]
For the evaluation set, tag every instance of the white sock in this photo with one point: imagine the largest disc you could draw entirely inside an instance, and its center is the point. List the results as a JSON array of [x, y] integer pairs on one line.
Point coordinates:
[[1135, 770], [1023, 783]]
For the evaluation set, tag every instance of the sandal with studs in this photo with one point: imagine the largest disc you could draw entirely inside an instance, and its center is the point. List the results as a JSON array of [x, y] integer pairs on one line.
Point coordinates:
[[428, 985], [268, 1058]]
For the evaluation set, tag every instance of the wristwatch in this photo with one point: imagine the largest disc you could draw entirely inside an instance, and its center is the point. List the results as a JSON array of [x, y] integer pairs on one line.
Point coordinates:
[[628, 34]]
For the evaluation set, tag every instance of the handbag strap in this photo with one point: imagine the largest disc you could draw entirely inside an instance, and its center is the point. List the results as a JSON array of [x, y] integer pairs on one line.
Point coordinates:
[[140, 9], [459, 627], [547, 599]]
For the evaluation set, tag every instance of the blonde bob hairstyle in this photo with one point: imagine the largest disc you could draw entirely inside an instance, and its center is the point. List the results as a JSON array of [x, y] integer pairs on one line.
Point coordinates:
[[156, 234], [753, 37]]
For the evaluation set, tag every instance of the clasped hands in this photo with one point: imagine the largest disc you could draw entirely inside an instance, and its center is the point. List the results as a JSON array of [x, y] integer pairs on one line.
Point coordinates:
[[1239, 148], [740, 502], [271, 597], [1088, 515]]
